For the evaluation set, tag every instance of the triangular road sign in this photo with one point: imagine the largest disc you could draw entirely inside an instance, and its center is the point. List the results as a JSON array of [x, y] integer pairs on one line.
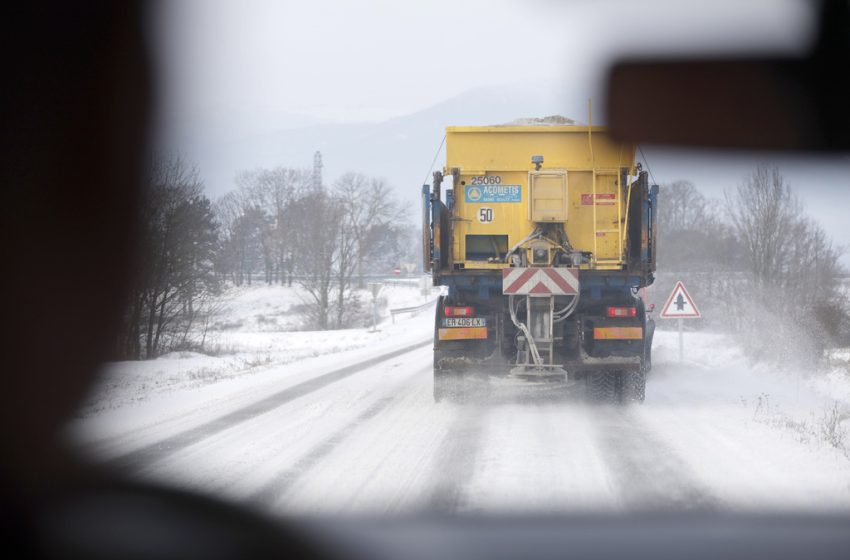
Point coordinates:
[[680, 305]]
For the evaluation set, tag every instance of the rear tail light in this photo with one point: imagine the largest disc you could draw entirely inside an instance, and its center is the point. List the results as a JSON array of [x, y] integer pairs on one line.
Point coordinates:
[[622, 312], [459, 311]]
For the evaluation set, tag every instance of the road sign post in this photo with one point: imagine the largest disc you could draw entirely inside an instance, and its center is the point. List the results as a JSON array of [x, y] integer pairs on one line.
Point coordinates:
[[375, 289], [680, 305]]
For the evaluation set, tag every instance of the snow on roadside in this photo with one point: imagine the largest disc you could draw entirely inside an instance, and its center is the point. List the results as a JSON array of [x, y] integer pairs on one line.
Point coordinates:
[[738, 427], [262, 308], [716, 392], [249, 336], [135, 409], [735, 377], [836, 382]]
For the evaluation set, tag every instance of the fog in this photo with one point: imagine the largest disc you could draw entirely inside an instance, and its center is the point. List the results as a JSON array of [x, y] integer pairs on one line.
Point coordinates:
[[372, 84]]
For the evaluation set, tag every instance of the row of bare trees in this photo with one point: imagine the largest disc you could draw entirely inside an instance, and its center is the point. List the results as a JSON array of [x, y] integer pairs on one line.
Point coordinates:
[[276, 226], [757, 263], [279, 224], [794, 308]]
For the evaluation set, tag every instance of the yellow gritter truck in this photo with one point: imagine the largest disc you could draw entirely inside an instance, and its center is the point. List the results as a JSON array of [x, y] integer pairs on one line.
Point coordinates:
[[544, 236]]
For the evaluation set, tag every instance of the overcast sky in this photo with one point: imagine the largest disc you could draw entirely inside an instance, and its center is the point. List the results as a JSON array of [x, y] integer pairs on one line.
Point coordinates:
[[373, 59], [241, 68]]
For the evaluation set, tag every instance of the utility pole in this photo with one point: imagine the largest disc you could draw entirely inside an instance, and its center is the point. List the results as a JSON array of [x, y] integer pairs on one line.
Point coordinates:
[[317, 171]]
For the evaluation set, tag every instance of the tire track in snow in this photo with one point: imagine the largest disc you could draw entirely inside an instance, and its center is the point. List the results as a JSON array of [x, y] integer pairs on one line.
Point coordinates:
[[649, 474], [155, 452], [278, 488], [455, 464]]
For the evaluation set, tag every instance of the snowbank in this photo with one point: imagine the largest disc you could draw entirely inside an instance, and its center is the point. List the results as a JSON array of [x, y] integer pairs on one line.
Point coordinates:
[[256, 330]]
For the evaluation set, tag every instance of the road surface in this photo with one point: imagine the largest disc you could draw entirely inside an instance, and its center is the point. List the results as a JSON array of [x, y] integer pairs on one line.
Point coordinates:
[[366, 436]]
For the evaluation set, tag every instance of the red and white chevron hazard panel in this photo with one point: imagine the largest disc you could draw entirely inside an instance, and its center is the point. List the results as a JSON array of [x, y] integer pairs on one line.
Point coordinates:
[[542, 281]]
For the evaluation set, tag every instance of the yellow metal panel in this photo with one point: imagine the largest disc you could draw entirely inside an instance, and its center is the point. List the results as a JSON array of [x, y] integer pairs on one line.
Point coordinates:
[[463, 333], [580, 228], [618, 333], [548, 197], [502, 156], [508, 218], [509, 148]]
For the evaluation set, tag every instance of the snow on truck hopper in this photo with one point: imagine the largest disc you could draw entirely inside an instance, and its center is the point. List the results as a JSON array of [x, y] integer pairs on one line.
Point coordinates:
[[544, 241]]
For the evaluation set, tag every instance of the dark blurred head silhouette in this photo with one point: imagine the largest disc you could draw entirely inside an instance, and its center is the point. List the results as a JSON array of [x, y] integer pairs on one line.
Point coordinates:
[[76, 102], [75, 106]]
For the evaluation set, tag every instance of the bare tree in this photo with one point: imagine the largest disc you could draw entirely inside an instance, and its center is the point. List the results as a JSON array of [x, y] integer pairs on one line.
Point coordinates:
[[370, 208], [692, 235], [317, 229], [393, 243], [229, 262], [244, 228], [277, 221], [793, 270], [767, 218], [684, 208], [175, 272], [757, 264], [274, 192]]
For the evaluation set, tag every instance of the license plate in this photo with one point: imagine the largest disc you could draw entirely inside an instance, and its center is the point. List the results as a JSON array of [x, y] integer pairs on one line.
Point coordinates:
[[464, 322], [618, 333], [466, 333]]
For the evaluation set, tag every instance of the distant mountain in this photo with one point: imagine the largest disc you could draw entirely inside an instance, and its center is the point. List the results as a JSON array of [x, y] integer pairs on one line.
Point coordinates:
[[402, 148], [399, 149]]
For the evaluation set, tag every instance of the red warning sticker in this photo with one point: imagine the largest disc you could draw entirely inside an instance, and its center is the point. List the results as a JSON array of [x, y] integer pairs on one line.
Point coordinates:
[[601, 199]]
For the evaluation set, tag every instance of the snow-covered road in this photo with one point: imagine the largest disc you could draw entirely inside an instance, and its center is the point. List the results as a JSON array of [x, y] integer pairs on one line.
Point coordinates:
[[359, 432]]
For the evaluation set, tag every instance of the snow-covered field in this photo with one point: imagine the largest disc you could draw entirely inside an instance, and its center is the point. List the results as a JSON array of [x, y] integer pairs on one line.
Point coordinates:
[[256, 329], [356, 430]]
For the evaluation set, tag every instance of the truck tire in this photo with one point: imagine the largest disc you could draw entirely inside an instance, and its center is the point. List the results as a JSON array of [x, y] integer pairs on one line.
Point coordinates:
[[442, 381], [646, 362], [442, 389], [447, 382], [633, 389], [448, 387], [646, 359], [602, 387]]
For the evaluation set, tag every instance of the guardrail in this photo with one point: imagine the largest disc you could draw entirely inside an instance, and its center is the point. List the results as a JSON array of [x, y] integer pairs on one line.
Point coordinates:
[[398, 281], [415, 310], [260, 278]]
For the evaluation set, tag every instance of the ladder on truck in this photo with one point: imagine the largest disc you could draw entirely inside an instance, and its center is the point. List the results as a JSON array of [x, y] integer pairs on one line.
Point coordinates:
[[619, 231]]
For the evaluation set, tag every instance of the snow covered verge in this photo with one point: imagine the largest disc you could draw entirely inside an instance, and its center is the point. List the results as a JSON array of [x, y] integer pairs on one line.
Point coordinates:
[[810, 407], [256, 329], [716, 430]]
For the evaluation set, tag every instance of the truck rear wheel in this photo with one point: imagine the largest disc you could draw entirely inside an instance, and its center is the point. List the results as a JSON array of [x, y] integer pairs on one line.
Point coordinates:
[[646, 361], [602, 387], [448, 386], [447, 382], [441, 387], [633, 388]]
